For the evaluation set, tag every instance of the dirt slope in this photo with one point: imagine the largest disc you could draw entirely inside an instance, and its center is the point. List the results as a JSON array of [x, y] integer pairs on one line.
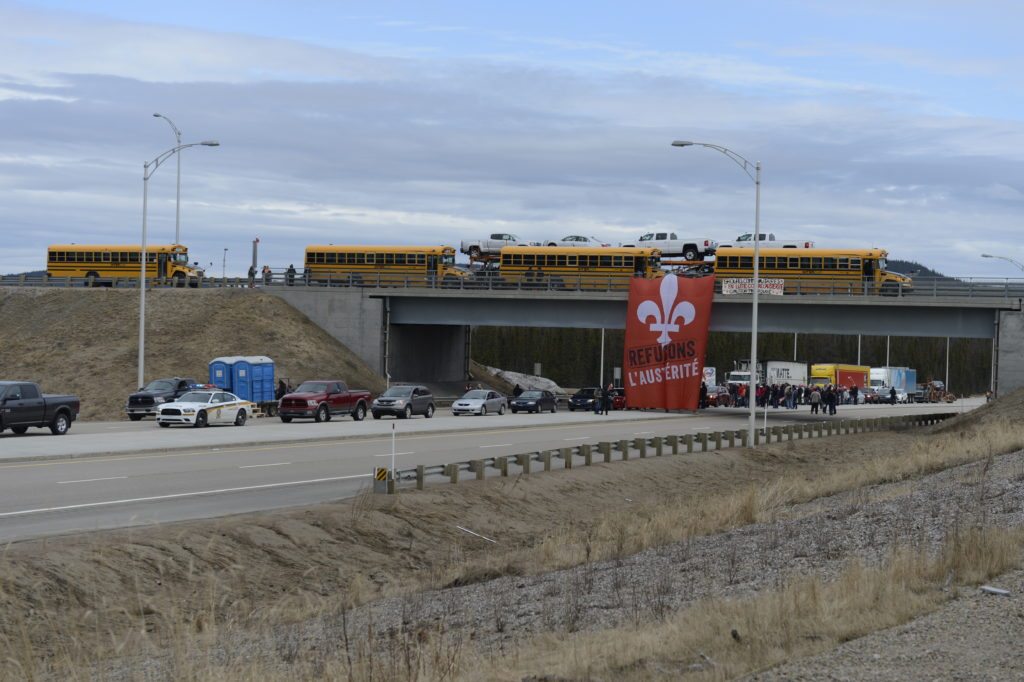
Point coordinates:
[[85, 341]]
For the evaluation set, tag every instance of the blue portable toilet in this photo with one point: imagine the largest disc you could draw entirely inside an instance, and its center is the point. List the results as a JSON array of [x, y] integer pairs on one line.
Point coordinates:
[[221, 374], [252, 378]]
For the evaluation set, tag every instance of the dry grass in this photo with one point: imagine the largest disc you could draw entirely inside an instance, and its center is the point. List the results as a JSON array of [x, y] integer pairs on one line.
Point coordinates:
[[723, 638], [668, 518]]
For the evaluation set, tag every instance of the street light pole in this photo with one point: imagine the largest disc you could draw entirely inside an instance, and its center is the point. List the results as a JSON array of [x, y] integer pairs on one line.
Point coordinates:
[[148, 168], [1005, 258], [224, 265], [177, 203], [745, 166]]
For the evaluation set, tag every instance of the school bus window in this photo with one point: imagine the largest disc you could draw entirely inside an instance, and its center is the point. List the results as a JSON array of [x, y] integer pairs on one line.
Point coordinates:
[[561, 261], [593, 261], [627, 262], [805, 263], [816, 264], [746, 262], [844, 263], [606, 261], [106, 257], [517, 259], [855, 263], [529, 259], [617, 261], [830, 263], [570, 261]]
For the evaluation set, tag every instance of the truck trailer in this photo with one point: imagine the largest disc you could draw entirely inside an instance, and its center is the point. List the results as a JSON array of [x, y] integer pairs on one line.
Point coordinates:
[[771, 372], [840, 375], [903, 379]]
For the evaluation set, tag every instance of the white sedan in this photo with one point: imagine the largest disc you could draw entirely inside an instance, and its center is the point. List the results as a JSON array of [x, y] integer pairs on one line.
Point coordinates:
[[202, 408], [577, 240], [479, 401]]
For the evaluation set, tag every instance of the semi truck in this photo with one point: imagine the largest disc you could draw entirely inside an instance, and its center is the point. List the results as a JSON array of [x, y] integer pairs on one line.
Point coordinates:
[[903, 379], [770, 372], [840, 375]]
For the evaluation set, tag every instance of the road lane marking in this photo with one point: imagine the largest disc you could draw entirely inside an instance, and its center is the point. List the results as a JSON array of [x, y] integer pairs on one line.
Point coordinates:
[[257, 466], [90, 480], [396, 454], [498, 445], [578, 438], [175, 496], [641, 433]]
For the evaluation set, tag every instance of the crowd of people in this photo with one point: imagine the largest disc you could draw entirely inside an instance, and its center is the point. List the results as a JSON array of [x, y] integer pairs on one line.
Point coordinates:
[[823, 399]]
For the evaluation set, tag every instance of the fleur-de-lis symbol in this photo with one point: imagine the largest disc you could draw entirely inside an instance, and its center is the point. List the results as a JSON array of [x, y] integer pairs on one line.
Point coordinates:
[[666, 316]]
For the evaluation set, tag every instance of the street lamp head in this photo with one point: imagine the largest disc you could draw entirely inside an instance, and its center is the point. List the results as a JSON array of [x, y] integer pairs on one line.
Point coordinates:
[[987, 255], [210, 143], [682, 143], [157, 116]]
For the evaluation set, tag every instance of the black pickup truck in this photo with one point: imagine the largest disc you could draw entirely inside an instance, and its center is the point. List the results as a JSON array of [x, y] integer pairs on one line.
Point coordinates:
[[149, 398], [22, 405]]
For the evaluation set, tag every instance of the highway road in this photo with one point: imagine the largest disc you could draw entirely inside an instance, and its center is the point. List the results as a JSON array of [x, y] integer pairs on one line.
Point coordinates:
[[265, 465]]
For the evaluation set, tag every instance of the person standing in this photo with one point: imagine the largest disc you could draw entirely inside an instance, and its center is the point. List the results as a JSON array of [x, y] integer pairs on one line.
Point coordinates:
[[703, 395], [853, 394], [892, 395], [252, 276], [290, 276], [517, 391], [266, 275], [606, 398], [815, 401]]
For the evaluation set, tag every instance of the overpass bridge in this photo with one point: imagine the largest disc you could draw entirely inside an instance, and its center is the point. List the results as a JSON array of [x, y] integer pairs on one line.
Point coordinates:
[[424, 332]]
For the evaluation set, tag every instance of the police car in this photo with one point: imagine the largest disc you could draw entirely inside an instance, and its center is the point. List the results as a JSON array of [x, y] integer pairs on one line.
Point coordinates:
[[202, 408]]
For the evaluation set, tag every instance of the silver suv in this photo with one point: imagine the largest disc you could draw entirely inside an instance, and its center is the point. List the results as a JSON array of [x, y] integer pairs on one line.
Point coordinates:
[[403, 402]]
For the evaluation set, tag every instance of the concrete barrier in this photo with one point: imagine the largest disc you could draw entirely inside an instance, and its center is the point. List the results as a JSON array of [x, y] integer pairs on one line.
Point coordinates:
[[606, 450], [567, 457], [588, 456], [673, 442], [688, 441]]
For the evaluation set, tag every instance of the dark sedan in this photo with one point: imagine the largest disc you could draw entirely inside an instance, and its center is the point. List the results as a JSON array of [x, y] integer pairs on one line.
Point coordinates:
[[583, 399], [534, 401]]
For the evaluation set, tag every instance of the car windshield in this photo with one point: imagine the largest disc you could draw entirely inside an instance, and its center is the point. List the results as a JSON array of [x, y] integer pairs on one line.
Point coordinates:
[[397, 392], [195, 397], [585, 393], [159, 387], [312, 387], [475, 395], [531, 394]]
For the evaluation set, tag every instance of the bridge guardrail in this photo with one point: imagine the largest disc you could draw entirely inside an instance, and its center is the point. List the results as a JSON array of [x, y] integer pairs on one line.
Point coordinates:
[[657, 446], [971, 287]]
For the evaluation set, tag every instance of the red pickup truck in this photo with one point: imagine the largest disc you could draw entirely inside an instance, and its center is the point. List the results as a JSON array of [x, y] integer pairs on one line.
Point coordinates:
[[323, 399]]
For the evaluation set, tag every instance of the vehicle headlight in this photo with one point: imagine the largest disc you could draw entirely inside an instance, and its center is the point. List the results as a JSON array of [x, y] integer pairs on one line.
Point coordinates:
[[311, 403], [188, 410], [399, 403], [532, 402], [159, 399]]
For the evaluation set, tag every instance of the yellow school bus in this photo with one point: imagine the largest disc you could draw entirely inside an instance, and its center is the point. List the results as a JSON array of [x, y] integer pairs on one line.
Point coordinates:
[[816, 271], [382, 265], [552, 267], [106, 262]]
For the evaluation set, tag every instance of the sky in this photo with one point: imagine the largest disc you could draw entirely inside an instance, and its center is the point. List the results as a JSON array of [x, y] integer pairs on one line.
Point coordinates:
[[887, 124]]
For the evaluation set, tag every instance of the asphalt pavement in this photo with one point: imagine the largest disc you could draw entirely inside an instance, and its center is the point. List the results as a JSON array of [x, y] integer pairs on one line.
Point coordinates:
[[52, 485]]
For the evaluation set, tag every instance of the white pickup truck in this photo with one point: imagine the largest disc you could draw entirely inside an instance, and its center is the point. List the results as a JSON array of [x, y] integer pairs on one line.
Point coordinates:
[[478, 248], [767, 239], [690, 248]]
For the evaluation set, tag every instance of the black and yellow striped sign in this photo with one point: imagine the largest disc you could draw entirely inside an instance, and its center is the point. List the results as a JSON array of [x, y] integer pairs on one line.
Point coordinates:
[[380, 474]]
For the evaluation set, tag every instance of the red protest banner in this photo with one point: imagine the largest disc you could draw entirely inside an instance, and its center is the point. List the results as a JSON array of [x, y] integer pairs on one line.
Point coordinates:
[[666, 338]]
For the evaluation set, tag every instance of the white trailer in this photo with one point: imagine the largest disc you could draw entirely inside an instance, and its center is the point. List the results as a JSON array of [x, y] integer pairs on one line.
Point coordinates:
[[903, 379], [771, 372]]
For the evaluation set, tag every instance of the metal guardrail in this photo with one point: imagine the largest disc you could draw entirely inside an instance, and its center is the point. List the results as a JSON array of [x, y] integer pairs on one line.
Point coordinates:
[[641, 448], [937, 287]]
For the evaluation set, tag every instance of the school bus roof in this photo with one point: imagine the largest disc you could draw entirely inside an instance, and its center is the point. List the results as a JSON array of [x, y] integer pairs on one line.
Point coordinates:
[[115, 247], [803, 253], [583, 251], [370, 248]]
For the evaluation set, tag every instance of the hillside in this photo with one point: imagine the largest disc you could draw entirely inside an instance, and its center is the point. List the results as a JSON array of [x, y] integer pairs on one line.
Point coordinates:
[[85, 341]]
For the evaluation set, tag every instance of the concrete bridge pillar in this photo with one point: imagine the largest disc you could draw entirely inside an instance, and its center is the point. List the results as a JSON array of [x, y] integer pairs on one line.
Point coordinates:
[[1008, 358]]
